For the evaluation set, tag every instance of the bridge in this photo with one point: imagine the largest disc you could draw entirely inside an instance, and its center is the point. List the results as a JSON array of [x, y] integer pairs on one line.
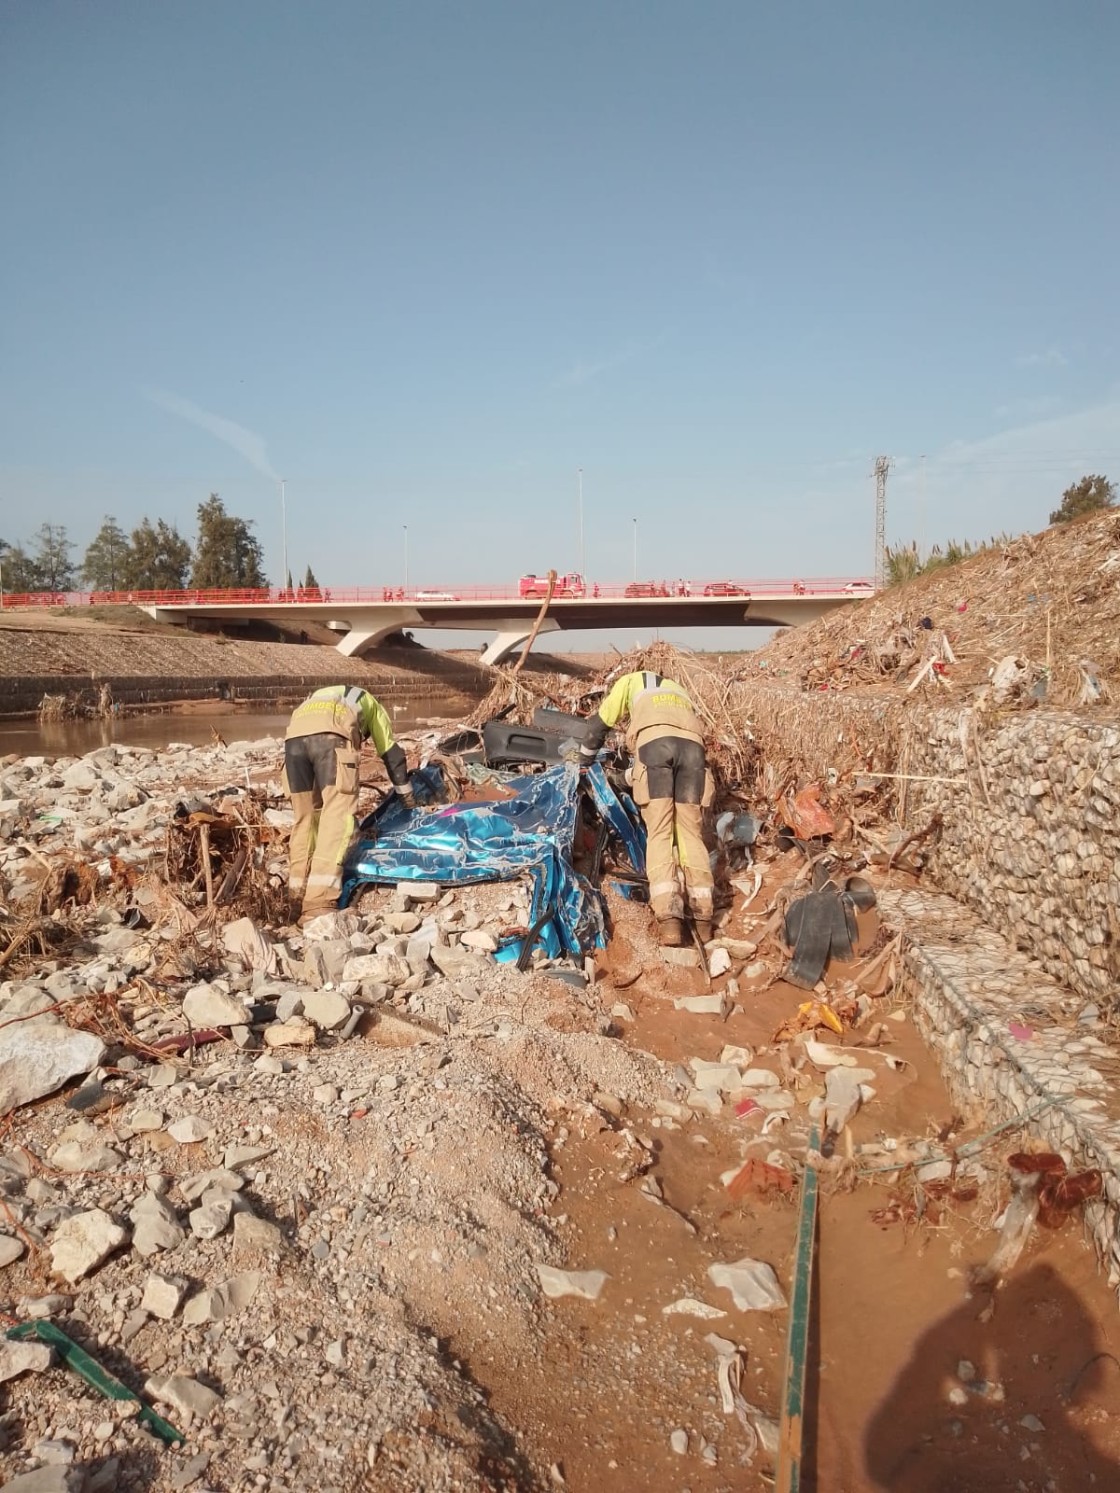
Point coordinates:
[[364, 616]]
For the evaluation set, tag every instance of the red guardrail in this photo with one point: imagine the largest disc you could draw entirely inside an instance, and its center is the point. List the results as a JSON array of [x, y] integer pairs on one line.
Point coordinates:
[[829, 586]]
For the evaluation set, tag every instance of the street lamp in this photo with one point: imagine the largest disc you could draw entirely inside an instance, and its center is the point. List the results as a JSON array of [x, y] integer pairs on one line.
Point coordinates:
[[635, 549], [405, 526], [582, 562], [284, 532]]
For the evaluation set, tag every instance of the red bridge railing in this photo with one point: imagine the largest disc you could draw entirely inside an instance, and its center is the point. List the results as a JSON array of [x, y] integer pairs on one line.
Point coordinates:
[[680, 590]]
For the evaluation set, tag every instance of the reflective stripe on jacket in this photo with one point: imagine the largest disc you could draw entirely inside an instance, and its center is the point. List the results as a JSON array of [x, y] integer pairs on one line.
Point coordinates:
[[344, 710], [655, 706]]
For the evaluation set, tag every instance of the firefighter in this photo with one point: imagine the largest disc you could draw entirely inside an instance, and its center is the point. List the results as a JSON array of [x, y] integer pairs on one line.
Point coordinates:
[[670, 785], [322, 749]]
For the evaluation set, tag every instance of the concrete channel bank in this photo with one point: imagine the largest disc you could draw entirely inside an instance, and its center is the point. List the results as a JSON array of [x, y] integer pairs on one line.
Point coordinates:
[[1011, 947], [145, 668]]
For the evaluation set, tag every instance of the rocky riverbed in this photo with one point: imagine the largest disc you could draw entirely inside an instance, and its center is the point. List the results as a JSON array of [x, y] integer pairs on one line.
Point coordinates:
[[269, 1235]]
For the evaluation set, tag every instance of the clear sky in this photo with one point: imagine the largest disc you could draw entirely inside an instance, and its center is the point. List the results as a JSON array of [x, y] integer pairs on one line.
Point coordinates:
[[425, 261]]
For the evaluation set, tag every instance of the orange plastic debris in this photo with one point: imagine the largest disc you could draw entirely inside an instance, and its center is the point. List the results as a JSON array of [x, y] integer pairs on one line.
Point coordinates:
[[760, 1177], [806, 816]]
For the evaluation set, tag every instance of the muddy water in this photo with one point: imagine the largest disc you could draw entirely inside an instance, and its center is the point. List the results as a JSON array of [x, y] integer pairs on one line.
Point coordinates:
[[195, 725]]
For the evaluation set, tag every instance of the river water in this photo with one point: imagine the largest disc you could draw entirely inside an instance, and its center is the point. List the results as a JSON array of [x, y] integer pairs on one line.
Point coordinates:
[[73, 738]]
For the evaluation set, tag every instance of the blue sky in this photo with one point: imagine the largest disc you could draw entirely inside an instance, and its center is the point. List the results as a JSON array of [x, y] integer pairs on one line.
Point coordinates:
[[425, 261]]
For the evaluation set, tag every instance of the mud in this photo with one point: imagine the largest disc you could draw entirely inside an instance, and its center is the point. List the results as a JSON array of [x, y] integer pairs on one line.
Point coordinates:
[[893, 1317]]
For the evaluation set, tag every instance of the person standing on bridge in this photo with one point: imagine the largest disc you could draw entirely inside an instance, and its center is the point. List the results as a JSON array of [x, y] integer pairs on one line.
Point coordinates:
[[670, 786], [322, 750]]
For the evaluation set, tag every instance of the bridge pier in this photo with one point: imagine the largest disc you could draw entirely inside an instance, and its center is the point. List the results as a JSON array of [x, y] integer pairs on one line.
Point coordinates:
[[357, 640], [511, 635]]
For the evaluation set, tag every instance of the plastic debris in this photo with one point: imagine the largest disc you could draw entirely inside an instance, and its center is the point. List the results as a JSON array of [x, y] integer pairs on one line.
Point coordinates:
[[806, 816], [760, 1177], [810, 1015], [753, 1285], [583, 1283], [87, 1368], [1018, 1221]]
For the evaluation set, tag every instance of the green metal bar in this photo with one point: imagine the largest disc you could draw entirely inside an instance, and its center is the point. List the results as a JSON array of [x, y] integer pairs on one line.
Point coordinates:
[[91, 1371], [790, 1432]]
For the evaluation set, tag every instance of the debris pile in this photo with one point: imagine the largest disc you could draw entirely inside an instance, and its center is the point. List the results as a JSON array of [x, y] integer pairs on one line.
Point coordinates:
[[1034, 619]]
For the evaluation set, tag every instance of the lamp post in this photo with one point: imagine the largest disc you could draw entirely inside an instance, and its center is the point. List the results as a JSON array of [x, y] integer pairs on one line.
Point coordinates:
[[284, 534], [405, 556], [635, 549], [582, 558]]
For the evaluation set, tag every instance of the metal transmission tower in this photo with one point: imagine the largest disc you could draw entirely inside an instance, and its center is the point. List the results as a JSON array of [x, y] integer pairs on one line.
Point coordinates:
[[882, 467]]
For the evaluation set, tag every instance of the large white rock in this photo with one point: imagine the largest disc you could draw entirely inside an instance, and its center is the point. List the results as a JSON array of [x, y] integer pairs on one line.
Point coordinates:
[[381, 969], [326, 1008], [81, 777], [162, 1295], [10, 1250], [37, 1057], [331, 925], [190, 1128], [187, 1396], [155, 1225], [203, 1006], [48, 1479], [24, 1358], [83, 1242], [245, 942], [454, 963]]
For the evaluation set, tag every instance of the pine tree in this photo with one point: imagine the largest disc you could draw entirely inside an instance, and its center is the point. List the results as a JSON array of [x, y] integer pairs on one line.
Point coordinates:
[[52, 558], [1089, 495], [227, 556], [309, 581], [106, 559], [158, 558], [20, 572]]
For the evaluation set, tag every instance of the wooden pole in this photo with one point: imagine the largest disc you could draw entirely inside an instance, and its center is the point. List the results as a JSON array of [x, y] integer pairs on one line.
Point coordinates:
[[204, 846], [532, 638]]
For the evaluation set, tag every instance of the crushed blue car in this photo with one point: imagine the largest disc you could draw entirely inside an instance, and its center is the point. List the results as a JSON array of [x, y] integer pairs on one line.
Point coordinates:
[[532, 833]]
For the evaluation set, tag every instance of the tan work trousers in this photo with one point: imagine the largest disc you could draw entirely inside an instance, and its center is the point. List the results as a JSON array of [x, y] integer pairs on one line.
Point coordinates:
[[673, 837], [324, 819]]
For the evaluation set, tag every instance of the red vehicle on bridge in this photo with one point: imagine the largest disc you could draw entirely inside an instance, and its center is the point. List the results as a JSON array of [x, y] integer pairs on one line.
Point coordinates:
[[572, 584], [725, 588]]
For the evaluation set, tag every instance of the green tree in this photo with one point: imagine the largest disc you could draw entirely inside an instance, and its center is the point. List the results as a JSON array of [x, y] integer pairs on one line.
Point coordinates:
[[158, 558], [1089, 495], [227, 555], [309, 581], [20, 572], [52, 558], [106, 559]]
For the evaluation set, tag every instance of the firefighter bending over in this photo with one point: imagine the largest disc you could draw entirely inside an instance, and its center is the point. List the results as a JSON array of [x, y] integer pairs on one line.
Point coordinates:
[[670, 778], [322, 749]]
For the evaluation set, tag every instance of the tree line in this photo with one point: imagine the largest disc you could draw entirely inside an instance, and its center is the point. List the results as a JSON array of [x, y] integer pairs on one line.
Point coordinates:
[[226, 556]]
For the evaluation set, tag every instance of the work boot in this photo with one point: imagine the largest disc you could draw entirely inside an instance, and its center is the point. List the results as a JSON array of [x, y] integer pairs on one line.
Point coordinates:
[[670, 933], [705, 929]]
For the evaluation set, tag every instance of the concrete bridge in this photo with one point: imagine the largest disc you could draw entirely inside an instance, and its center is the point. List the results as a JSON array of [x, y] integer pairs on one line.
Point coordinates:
[[365, 616]]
